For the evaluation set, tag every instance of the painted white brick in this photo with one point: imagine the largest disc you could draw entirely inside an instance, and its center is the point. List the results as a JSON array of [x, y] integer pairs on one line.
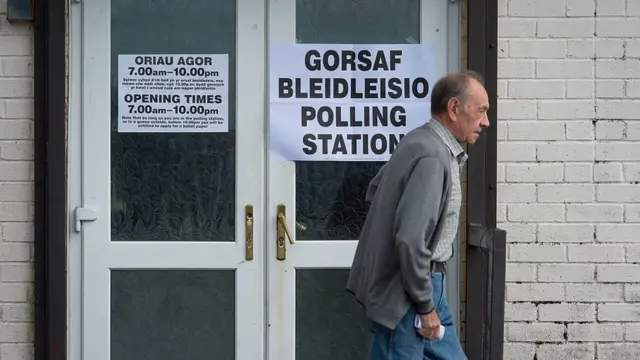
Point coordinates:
[[594, 293], [632, 332], [631, 171], [510, 27], [566, 151], [512, 193], [536, 89], [519, 351], [516, 69], [609, 48], [564, 69], [633, 8], [580, 8], [632, 253], [513, 151], [632, 131], [595, 332], [566, 273], [618, 27], [618, 351], [617, 151], [610, 129], [535, 130], [580, 89], [566, 352], [565, 28], [16, 45], [560, 110], [16, 351], [551, 193], [14, 292], [16, 87], [520, 312], [567, 312], [619, 312], [618, 68], [611, 7], [609, 88], [566, 233], [632, 213], [514, 110], [618, 193], [580, 48], [594, 213], [618, 273], [632, 48], [578, 172], [533, 172], [536, 292], [16, 332], [618, 233], [536, 8], [608, 172], [579, 130], [535, 332], [537, 253], [541, 49], [596, 253], [523, 272], [535, 212]]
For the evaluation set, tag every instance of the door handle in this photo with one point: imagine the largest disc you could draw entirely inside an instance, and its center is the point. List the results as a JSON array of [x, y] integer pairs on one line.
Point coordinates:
[[281, 232], [248, 234]]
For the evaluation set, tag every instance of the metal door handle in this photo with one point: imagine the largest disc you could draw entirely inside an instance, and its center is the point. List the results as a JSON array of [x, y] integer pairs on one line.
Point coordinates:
[[248, 236], [281, 232]]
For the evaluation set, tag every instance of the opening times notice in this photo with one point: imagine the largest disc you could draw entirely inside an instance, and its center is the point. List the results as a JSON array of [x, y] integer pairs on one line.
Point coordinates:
[[173, 93]]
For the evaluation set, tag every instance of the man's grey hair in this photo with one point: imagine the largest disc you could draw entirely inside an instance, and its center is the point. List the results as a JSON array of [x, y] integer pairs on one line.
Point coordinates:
[[452, 86]]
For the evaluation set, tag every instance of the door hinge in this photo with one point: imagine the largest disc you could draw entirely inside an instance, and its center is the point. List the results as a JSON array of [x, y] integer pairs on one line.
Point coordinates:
[[81, 214]]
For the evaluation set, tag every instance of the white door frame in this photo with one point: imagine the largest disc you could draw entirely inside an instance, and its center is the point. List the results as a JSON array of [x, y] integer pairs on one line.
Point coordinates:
[[439, 27], [86, 53], [92, 254]]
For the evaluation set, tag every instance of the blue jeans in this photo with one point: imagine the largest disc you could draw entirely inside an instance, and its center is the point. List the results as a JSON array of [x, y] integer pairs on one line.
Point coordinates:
[[404, 342]]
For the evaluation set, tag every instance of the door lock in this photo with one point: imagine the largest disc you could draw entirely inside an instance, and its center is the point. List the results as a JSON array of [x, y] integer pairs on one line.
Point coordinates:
[[281, 232]]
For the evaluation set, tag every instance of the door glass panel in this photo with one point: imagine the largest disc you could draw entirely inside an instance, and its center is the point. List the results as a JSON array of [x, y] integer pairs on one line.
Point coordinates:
[[330, 196], [329, 321], [173, 314], [171, 186]]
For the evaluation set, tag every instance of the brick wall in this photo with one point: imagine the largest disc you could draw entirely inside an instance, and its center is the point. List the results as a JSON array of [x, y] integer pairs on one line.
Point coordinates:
[[568, 173], [16, 189]]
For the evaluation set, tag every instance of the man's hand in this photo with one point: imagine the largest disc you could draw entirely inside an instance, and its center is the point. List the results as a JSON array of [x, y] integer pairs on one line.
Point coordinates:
[[430, 325]]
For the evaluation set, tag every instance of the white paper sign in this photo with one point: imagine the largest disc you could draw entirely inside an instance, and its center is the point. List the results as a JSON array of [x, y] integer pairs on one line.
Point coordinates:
[[347, 102], [173, 93]]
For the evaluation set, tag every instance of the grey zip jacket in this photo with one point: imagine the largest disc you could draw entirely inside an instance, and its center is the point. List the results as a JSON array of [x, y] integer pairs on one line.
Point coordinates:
[[391, 270]]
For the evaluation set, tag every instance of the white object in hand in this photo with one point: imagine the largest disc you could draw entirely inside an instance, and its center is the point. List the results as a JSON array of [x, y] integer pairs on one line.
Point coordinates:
[[418, 324]]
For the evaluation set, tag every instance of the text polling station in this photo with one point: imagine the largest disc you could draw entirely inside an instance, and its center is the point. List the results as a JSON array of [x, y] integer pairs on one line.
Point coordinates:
[[173, 93], [347, 102]]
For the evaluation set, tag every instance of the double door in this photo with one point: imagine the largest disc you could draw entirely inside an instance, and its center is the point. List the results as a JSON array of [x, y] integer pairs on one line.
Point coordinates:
[[184, 237]]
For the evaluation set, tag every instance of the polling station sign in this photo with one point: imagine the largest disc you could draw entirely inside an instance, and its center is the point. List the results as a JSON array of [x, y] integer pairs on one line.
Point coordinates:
[[347, 102]]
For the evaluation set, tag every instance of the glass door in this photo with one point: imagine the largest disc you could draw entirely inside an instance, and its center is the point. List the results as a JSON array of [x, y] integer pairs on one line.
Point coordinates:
[[172, 188], [310, 314]]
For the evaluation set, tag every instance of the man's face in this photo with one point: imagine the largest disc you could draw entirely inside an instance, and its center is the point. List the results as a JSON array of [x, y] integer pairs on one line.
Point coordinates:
[[470, 118]]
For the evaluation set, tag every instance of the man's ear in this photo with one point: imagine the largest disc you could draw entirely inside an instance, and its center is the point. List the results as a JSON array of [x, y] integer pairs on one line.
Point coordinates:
[[453, 107]]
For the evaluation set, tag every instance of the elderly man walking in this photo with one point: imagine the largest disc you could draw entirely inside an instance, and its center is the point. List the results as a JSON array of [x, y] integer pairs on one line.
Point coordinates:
[[398, 272]]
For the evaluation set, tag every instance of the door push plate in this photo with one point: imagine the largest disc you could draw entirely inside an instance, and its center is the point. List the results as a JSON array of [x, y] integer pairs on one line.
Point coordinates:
[[81, 214]]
